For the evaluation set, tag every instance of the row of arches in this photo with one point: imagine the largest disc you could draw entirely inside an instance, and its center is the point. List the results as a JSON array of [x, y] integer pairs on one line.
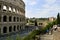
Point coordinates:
[[11, 9], [11, 19], [11, 29]]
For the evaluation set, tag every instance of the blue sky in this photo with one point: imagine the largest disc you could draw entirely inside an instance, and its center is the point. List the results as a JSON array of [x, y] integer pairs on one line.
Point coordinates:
[[42, 8]]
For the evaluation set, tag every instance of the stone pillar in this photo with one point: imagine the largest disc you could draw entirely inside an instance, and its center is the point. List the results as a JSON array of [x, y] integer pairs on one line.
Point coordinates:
[[2, 7], [12, 28], [2, 30], [19, 27], [1, 18], [12, 9], [16, 19], [8, 29], [7, 8], [12, 18], [19, 19]]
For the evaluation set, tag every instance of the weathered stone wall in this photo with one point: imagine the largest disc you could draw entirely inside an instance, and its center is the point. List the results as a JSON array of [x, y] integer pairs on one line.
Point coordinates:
[[13, 10], [19, 3]]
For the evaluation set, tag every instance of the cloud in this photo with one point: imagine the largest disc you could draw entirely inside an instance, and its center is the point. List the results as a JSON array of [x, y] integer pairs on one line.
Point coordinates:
[[33, 3], [30, 2], [53, 7], [50, 1], [48, 9]]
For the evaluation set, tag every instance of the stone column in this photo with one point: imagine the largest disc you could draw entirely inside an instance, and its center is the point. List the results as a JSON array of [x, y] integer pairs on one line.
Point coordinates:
[[16, 19], [19, 19], [2, 30], [19, 27], [12, 18], [1, 18], [7, 8], [8, 29], [12, 28], [2, 7]]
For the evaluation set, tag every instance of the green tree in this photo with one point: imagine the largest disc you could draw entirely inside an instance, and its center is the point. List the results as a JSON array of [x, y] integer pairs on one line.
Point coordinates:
[[18, 37], [9, 38], [58, 19]]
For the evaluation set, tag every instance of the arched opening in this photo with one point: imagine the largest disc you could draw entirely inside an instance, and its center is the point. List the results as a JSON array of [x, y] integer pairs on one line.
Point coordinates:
[[0, 7], [14, 19], [18, 27], [14, 28], [4, 29], [17, 19], [14, 10], [0, 18], [4, 8], [0, 30], [17, 11], [4, 18], [10, 29], [10, 9], [10, 18]]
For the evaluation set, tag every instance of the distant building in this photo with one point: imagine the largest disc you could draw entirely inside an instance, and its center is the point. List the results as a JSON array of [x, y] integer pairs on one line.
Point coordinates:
[[51, 19], [42, 23]]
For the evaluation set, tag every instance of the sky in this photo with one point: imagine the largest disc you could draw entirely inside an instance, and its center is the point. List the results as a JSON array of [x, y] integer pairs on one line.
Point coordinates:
[[42, 8]]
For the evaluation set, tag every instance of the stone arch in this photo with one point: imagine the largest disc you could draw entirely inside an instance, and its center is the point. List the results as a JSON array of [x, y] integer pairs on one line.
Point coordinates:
[[0, 7], [10, 29], [17, 27], [20, 27], [10, 18], [10, 8], [4, 18], [14, 9], [14, 19], [0, 18], [0, 30], [17, 19], [4, 29], [4, 7], [14, 28]]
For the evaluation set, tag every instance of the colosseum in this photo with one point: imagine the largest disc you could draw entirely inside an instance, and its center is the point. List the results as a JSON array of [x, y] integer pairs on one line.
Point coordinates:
[[12, 16]]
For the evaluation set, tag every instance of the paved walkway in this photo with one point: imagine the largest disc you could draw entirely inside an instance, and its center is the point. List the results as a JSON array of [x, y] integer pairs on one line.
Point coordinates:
[[56, 35], [46, 37]]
